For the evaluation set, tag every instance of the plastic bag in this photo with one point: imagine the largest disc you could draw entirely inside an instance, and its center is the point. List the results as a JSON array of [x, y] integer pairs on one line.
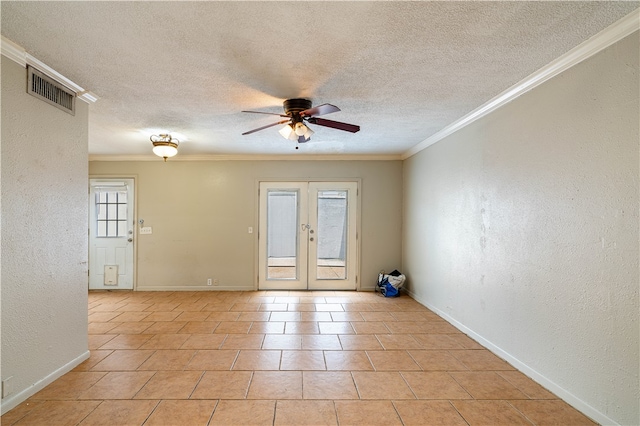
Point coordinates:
[[390, 284], [388, 290]]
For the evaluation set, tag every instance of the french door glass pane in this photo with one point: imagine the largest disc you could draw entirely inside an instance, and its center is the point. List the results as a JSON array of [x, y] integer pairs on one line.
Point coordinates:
[[332, 235], [282, 234]]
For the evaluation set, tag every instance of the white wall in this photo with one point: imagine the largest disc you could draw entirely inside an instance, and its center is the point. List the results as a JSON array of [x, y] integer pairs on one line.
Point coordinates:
[[200, 212], [44, 237], [522, 229]]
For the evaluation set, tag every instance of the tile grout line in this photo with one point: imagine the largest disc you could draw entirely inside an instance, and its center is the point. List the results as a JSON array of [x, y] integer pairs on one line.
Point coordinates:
[[397, 412], [152, 411], [520, 412], [458, 411], [213, 412]]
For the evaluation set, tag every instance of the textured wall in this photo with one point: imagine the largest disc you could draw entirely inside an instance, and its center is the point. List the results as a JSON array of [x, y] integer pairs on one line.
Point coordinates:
[[44, 235], [200, 212], [523, 229]]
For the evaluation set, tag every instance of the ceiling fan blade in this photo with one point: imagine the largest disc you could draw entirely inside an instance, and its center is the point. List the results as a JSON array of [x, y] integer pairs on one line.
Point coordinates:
[[268, 113], [319, 110], [334, 124], [265, 127]]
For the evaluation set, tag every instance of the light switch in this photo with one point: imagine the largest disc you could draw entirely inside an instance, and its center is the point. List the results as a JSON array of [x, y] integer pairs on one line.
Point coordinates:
[[250, 229], [146, 230]]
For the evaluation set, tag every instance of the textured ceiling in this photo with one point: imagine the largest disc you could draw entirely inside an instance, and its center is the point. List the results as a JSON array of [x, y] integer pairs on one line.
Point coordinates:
[[400, 70]]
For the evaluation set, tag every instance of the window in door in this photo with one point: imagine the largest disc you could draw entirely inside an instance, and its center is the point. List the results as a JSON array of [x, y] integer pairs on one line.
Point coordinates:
[[111, 209]]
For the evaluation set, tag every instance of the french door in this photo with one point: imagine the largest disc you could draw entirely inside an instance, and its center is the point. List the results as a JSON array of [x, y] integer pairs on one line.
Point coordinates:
[[307, 236], [111, 226]]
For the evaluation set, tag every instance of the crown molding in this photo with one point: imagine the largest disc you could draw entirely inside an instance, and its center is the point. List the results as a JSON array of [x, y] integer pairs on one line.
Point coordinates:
[[605, 38], [14, 52], [247, 157], [21, 57]]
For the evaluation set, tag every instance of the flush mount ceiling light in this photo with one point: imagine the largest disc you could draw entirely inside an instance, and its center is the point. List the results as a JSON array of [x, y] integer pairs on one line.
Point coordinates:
[[164, 145]]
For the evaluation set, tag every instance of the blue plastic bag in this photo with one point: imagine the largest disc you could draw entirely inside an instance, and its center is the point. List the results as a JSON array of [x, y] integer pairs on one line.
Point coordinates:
[[387, 289]]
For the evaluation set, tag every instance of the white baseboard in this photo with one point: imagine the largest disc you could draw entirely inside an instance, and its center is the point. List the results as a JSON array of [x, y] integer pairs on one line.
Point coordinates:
[[547, 383], [211, 288], [193, 288], [13, 401]]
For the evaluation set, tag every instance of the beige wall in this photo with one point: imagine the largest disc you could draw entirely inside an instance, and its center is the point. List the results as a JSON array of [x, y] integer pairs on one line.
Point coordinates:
[[44, 243], [200, 212], [522, 229]]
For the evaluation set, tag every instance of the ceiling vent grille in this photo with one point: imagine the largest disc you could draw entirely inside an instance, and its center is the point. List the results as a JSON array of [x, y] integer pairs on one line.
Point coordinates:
[[43, 87]]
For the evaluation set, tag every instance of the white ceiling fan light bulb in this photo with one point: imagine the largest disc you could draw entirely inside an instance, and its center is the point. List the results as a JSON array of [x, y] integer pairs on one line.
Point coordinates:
[[300, 129]]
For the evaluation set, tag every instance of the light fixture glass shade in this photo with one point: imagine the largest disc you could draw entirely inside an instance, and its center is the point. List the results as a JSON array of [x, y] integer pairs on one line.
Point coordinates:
[[300, 129], [286, 131], [162, 150], [294, 132], [308, 133], [164, 146]]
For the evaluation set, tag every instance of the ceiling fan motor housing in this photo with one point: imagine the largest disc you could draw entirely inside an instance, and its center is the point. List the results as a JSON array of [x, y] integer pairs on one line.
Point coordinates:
[[295, 106]]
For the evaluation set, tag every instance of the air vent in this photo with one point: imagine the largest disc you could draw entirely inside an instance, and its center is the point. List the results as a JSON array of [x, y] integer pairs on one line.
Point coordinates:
[[50, 91]]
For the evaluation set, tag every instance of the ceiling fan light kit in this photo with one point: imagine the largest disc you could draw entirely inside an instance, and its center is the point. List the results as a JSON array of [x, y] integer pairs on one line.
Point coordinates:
[[164, 145], [299, 110], [287, 131]]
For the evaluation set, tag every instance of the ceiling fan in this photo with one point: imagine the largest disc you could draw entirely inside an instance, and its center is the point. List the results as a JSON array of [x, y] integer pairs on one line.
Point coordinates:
[[297, 112]]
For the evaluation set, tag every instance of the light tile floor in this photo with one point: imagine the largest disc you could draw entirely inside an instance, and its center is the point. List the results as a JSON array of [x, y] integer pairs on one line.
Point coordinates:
[[284, 358]]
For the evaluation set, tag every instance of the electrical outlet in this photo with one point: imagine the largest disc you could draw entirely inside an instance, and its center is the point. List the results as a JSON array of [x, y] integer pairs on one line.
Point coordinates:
[[7, 387], [216, 281], [208, 281]]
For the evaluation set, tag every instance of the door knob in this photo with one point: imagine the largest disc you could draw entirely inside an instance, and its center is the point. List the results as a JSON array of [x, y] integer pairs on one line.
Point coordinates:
[[130, 240], [311, 239]]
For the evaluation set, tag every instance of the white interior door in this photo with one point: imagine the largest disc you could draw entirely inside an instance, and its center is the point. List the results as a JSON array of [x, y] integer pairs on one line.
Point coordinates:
[[111, 233], [307, 235]]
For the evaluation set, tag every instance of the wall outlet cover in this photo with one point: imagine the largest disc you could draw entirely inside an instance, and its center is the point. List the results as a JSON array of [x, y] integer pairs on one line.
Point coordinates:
[[146, 230], [7, 387]]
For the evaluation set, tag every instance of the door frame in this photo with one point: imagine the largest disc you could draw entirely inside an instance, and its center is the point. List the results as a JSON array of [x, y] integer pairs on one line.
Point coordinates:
[[135, 222], [256, 224]]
